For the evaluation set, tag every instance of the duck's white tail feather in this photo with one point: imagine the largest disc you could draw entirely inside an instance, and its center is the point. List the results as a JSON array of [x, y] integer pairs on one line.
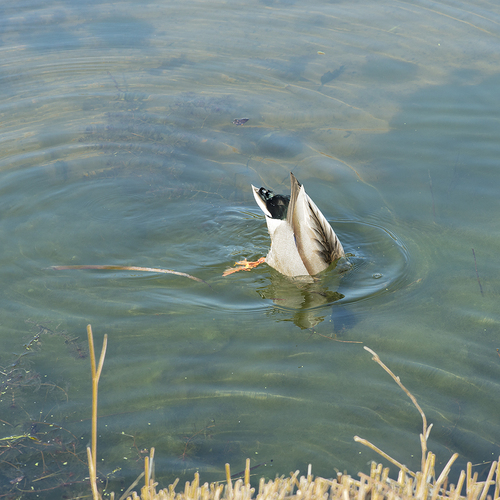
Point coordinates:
[[316, 241]]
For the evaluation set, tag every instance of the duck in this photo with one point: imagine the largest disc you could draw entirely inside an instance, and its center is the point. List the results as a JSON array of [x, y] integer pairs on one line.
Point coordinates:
[[303, 243]]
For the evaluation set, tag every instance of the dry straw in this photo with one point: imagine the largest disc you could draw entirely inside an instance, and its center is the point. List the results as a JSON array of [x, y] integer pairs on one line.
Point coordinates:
[[420, 485]]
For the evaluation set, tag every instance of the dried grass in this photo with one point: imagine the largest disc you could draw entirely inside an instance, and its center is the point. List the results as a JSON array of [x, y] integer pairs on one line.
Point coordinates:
[[420, 485]]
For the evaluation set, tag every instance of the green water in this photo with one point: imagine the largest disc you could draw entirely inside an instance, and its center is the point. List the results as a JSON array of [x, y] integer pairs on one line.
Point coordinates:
[[118, 147]]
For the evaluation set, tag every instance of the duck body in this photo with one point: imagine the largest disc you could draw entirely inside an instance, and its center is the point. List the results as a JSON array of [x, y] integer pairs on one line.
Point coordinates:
[[302, 240]]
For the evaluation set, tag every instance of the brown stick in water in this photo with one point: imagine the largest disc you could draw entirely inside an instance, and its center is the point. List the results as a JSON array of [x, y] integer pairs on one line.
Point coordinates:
[[132, 268]]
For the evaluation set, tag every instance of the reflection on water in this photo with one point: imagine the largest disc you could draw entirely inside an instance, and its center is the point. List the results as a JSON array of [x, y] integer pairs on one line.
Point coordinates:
[[300, 299], [119, 146]]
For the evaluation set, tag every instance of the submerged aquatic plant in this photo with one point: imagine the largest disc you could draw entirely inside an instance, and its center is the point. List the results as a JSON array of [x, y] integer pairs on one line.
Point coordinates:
[[40, 451]]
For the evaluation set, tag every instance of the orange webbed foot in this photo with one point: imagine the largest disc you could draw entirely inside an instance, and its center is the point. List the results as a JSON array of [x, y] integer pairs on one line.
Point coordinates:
[[243, 265]]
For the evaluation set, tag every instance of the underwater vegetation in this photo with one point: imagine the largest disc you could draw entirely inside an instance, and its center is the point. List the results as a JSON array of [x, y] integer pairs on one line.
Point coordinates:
[[39, 449]]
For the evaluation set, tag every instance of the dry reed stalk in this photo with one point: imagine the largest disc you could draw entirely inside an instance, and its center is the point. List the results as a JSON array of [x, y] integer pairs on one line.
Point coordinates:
[[443, 476], [456, 493], [132, 486], [377, 486], [488, 481], [92, 475], [96, 374], [247, 472], [425, 430], [423, 476], [497, 483], [423, 487], [383, 454]]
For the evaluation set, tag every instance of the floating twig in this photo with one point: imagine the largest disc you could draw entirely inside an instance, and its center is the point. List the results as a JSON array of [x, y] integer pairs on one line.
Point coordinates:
[[335, 339], [132, 268], [477, 274]]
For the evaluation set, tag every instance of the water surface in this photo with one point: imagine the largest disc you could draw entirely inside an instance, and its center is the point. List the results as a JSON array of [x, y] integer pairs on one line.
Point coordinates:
[[118, 147]]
